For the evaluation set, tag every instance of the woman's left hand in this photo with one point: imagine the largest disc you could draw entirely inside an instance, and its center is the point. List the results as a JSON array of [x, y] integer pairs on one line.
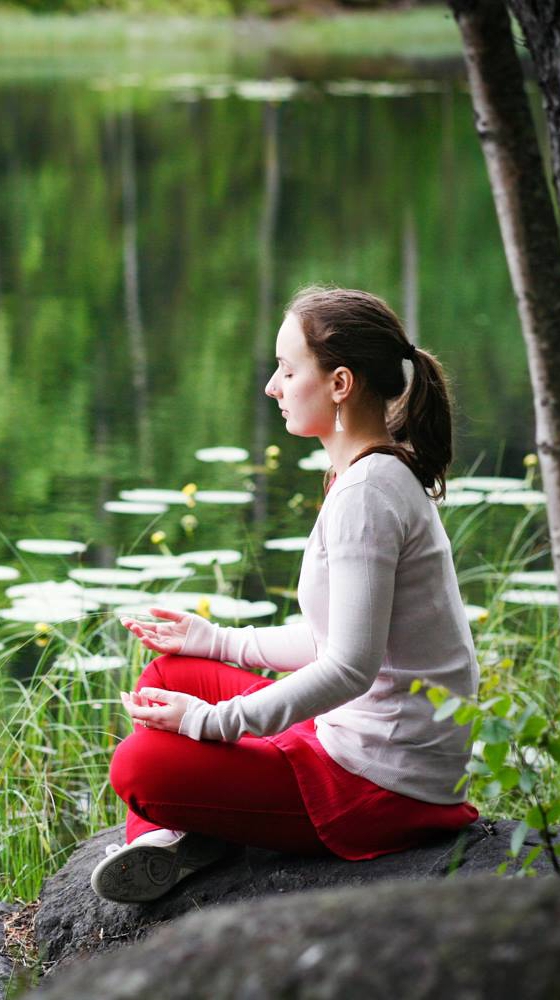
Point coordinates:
[[166, 715]]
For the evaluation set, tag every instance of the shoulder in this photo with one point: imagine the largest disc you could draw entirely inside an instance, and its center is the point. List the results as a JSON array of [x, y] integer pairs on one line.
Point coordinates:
[[382, 481]]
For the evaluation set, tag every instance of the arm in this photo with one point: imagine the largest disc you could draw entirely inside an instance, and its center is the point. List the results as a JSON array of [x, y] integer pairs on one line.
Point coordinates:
[[282, 647], [364, 538]]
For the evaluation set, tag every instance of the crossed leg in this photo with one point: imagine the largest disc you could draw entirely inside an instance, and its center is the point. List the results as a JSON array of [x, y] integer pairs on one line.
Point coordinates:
[[243, 792]]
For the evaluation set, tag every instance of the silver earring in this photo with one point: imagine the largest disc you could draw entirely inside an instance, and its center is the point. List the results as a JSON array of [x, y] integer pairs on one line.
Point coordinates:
[[337, 421]]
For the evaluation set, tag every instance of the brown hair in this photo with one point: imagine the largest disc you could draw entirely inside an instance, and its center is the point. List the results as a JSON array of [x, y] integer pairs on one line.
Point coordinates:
[[344, 326]]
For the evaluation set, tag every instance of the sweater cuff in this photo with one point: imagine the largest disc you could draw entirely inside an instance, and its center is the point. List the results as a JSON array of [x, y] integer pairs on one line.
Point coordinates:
[[200, 722]]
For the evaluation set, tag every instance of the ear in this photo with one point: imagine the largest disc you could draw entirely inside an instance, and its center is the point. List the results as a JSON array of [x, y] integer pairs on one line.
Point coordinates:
[[342, 384]]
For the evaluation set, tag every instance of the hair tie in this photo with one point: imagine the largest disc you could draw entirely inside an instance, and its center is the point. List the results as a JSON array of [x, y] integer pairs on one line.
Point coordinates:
[[409, 352]]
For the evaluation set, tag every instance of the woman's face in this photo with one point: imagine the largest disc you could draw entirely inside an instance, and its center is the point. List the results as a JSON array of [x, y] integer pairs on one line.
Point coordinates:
[[302, 389]]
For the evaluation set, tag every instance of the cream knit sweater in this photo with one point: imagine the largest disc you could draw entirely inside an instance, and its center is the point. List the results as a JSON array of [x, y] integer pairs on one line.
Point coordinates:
[[381, 607]]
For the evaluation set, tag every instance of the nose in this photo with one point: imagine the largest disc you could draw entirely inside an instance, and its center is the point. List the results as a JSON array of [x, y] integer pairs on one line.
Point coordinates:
[[270, 388]]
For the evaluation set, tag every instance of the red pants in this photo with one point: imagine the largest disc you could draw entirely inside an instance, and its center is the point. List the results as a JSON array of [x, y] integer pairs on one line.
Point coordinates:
[[243, 792]]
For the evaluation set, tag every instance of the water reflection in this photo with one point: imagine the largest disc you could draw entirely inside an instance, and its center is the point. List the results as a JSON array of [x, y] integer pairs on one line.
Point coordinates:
[[152, 236]]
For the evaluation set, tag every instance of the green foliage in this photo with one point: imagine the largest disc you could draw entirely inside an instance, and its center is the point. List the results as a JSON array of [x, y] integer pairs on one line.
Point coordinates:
[[516, 741]]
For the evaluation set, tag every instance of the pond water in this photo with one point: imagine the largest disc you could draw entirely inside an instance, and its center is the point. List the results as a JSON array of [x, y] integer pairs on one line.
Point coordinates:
[[152, 235]]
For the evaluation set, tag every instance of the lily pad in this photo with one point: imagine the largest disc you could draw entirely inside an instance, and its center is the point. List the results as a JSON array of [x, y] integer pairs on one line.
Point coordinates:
[[266, 90], [50, 546], [286, 544], [8, 573], [37, 610], [317, 461], [539, 598], [106, 576], [46, 590], [90, 664], [220, 606], [476, 613], [153, 496], [221, 454], [148, 561], [205, 558], [518, 498], [486, 483], [463, 498], [117, 595], [223, 496], [124, 507], [168, 572], [534, 578]]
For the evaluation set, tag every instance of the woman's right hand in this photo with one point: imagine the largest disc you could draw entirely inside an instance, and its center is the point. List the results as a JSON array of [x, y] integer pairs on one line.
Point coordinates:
[[169, 636]]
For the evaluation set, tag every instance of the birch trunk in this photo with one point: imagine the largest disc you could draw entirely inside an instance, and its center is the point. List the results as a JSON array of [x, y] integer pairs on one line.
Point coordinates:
[[526, 217]]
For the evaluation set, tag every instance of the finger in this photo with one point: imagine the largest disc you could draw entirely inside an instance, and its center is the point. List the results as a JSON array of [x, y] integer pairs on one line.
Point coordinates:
[[153, 714], [158, 694], [172, 616]]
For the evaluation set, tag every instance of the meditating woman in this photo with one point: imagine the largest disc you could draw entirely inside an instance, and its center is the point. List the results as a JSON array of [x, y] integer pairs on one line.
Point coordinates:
[[338, 757]]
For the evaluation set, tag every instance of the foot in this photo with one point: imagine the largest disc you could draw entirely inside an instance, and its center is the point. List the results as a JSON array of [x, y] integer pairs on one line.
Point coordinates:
[[143, 870]]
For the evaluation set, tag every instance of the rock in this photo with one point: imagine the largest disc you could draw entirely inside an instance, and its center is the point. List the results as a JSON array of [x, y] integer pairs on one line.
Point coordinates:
[[72, 920], [8, 969], [466, 939]]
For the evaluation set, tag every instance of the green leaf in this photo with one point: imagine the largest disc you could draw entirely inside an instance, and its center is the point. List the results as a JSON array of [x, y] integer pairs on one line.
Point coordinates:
[[437, 695], [416, 686], [502, 869], [495, 754], [553, 812], [495, 730], [527, 780], [492, 790], [475, 766], [465, 714], [462, 781], [533, 728], [503, 706], [533, 855], [508, 777], [518, 836], [446, 709], [553, 747], [534, 818]]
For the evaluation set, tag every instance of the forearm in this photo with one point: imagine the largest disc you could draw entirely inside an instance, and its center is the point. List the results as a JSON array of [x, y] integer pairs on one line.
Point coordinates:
[[282, 648], [315, 689]]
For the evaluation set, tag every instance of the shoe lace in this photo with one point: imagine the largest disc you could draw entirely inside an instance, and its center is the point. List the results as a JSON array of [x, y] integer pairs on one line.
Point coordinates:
[[112, 849]]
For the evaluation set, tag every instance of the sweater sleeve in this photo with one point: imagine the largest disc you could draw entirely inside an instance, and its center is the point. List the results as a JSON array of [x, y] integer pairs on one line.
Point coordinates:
[[282, 647], [364, 537]]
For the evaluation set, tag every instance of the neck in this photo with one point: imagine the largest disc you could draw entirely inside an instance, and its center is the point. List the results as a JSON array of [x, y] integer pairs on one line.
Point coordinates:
[[342, 448]]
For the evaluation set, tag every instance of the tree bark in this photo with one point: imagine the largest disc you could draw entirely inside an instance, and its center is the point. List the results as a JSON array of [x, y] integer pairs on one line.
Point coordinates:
[[526, 216], [540, 23]]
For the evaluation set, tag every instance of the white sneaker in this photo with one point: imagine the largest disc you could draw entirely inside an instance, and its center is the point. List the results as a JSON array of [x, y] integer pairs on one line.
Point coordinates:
[[147, 868]]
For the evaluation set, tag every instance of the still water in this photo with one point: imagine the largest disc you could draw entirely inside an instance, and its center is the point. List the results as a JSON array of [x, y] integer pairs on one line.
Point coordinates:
[[150, 238]]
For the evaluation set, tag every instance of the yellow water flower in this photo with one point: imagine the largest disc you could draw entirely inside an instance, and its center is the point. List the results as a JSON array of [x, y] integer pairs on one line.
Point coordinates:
[[203, 607], [158, 537], [189, 491], [273, 451], [43, 627], [189, 522], [482, 617], [530, 460]]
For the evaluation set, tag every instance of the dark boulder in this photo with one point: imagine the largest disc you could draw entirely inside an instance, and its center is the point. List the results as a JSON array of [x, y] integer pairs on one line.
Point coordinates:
[[467, 939], [72, 921]]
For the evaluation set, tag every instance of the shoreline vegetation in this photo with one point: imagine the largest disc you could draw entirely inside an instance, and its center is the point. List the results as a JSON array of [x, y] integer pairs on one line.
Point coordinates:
[[211, 25]]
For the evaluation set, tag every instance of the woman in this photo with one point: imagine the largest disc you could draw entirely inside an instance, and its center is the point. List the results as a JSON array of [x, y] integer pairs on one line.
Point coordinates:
[[338, 756]]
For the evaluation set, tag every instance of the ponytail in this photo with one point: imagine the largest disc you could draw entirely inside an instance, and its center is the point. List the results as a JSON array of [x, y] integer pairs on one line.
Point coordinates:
[[422, 418]]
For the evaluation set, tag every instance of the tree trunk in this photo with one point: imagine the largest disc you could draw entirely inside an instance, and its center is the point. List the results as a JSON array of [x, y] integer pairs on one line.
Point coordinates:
[[526, 217], [540, 23]]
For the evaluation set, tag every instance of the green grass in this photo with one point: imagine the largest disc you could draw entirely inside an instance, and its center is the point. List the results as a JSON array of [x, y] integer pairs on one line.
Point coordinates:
[[176, 36]]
